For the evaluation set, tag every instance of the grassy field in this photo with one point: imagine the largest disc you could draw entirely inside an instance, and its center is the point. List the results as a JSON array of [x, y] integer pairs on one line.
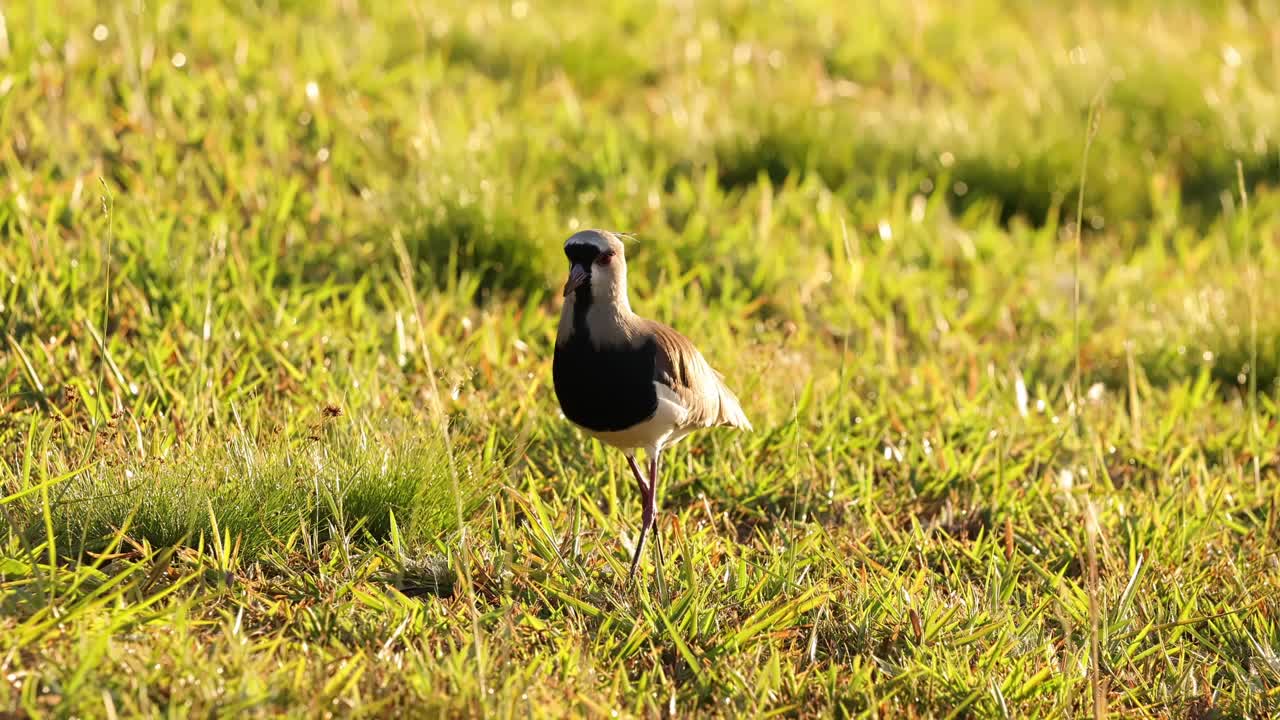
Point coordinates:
[[995, 282]]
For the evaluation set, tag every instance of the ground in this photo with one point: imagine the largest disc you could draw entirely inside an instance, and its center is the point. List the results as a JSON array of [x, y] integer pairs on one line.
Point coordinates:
[[995, 282]]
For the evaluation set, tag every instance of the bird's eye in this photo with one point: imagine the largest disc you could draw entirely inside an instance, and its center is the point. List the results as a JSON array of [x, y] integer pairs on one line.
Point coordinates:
[[604, 257]]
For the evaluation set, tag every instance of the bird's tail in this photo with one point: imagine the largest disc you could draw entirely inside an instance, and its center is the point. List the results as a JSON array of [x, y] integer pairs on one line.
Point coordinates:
[[731, 413]]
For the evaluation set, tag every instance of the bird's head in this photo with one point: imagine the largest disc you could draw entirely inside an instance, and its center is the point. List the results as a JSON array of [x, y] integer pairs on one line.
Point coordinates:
[[597, 267]]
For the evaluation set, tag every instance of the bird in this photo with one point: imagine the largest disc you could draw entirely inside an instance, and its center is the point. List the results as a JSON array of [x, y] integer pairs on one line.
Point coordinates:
[[628, 381]]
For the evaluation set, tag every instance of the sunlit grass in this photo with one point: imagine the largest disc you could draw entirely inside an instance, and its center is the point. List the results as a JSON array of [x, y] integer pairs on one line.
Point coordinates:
[[223, 468]]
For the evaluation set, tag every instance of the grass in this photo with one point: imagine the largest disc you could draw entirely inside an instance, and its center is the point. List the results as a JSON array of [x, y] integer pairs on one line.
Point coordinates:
[[277, 300]]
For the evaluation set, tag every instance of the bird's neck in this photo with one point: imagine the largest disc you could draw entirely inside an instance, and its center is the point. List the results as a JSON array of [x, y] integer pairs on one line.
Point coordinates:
[[600, 321]]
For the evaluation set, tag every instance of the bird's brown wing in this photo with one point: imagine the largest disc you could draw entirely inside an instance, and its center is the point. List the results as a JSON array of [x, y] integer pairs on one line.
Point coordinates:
[[679, 366]]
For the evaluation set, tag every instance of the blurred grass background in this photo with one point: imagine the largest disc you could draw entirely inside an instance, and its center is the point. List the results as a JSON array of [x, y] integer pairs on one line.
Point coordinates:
[[253, 253]]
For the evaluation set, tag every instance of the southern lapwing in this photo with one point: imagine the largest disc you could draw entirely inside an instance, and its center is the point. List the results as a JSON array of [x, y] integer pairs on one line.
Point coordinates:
[[629, 382]]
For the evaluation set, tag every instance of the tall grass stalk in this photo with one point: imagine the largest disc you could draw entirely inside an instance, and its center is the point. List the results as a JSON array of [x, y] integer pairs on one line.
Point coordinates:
[[1251, 275], [442, 419], [1090, 524]]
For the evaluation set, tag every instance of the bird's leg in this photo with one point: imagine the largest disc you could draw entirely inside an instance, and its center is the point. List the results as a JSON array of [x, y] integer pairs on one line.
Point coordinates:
[[646, 495], [640, 480], [651, 506]]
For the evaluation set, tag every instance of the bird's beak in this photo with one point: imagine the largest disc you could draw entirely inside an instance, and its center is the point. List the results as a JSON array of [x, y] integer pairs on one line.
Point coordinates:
[[577, 276]]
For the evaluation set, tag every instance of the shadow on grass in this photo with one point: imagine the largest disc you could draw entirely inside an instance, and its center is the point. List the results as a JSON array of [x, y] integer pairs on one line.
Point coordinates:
[[495, 248], [1020, 184]]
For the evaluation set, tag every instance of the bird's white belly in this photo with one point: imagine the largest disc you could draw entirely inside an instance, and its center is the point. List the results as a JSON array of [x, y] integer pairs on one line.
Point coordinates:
[[662, 428]]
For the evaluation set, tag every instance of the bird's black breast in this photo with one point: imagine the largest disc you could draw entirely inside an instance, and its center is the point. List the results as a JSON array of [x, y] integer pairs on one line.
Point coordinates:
[[604, 389]]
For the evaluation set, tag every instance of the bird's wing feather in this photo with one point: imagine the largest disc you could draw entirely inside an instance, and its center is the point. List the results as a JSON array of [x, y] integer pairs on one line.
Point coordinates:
[[701, 389]]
